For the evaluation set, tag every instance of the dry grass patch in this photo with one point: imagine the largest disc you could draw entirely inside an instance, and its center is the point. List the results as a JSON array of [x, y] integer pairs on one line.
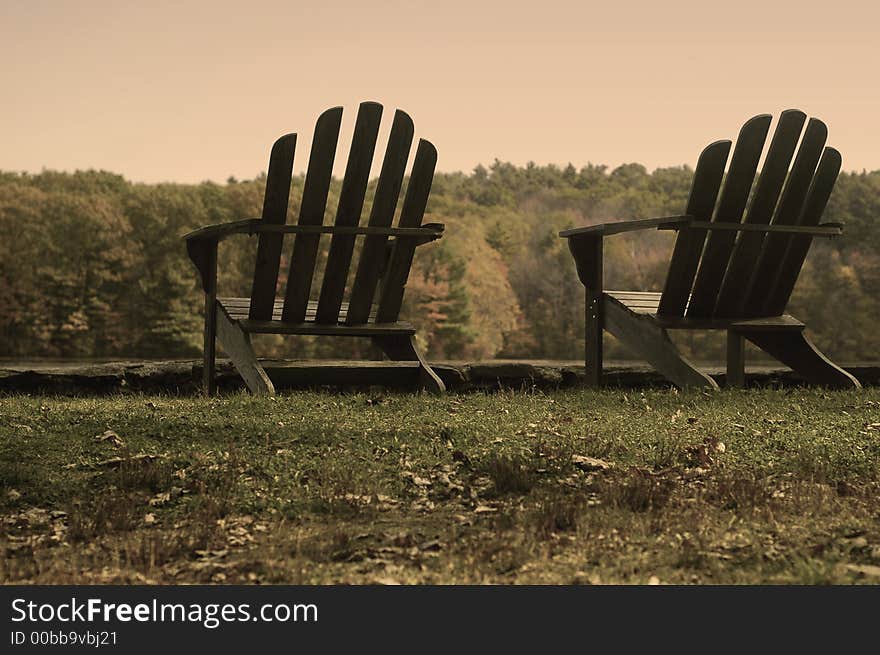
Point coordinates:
[[572, 487]]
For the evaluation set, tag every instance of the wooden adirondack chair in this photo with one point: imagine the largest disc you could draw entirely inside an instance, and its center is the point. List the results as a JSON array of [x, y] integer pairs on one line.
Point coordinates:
[[381, 273], [733, 268]]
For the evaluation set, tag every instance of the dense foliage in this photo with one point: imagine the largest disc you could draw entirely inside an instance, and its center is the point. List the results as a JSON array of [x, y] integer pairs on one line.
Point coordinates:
[[92, 265]]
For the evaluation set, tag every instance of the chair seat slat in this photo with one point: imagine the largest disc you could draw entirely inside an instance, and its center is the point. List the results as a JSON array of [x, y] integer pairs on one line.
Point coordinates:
[[647, 303], [238, 308], [327, 330]]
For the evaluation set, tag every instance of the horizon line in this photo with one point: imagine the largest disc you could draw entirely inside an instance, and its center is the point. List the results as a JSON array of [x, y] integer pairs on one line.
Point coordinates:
[[234, 179]]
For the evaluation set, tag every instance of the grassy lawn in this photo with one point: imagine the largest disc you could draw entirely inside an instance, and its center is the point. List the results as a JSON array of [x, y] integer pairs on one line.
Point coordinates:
[[571, 487]]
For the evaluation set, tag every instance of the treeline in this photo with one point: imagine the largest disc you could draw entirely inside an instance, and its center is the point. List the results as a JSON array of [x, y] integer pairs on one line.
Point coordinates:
[[92, 265]]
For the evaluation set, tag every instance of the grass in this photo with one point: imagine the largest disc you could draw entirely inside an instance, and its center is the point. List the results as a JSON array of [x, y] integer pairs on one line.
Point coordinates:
[[765, 486]]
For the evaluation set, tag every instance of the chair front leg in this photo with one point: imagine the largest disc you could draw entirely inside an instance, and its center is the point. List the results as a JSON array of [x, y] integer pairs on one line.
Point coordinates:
[[203, 253], [587, 252], [209, 382]]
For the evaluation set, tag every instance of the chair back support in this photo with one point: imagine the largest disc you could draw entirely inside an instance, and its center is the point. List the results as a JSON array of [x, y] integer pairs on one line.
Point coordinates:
[[376, 261], [726, 274]]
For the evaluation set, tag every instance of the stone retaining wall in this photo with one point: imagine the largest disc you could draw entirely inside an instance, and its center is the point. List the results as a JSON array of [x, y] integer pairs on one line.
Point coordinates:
[[182, 377]]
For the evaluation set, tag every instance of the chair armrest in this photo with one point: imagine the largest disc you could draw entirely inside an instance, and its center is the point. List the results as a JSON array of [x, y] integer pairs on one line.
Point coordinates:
[[436, 231], [222, 230], [824, 230], [201, 244], [606, 229], [427, 232], [203, 254]]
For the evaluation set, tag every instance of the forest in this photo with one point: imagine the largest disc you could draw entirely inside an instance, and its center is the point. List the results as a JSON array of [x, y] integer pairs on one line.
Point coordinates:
[[93, 265]]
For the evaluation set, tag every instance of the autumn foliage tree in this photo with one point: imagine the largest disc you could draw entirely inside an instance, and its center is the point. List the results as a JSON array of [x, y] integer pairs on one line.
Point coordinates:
[[92, 265]]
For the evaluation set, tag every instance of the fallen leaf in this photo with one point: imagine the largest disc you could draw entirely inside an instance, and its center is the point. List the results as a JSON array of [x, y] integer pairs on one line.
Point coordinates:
[[857, 543], [115, 461], [212, 554], [416, 479], [160, 499], [702, 455], [864, 570], [115, 440], [386, 581], [590, 464]]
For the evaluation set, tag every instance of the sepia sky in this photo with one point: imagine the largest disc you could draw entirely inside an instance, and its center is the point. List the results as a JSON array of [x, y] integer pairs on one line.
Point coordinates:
[[185, 91]]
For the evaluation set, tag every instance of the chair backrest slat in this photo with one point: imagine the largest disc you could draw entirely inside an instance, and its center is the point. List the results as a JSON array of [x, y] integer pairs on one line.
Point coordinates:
[[689, 242], [348, 213], [734, 196], [791, 263], [414, 204], [275, 202], [314, 203], [732, 296], [381, 215], [788, 212]]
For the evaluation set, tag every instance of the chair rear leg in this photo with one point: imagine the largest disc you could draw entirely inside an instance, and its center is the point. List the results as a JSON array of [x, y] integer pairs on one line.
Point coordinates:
[[376, 353], [237, 345], [795, 350], [642, 334], [593, 337], [736, 360], [403, 349]]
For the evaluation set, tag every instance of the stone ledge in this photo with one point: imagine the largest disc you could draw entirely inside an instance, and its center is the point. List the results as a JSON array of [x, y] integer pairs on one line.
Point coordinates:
[[183, 377]]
